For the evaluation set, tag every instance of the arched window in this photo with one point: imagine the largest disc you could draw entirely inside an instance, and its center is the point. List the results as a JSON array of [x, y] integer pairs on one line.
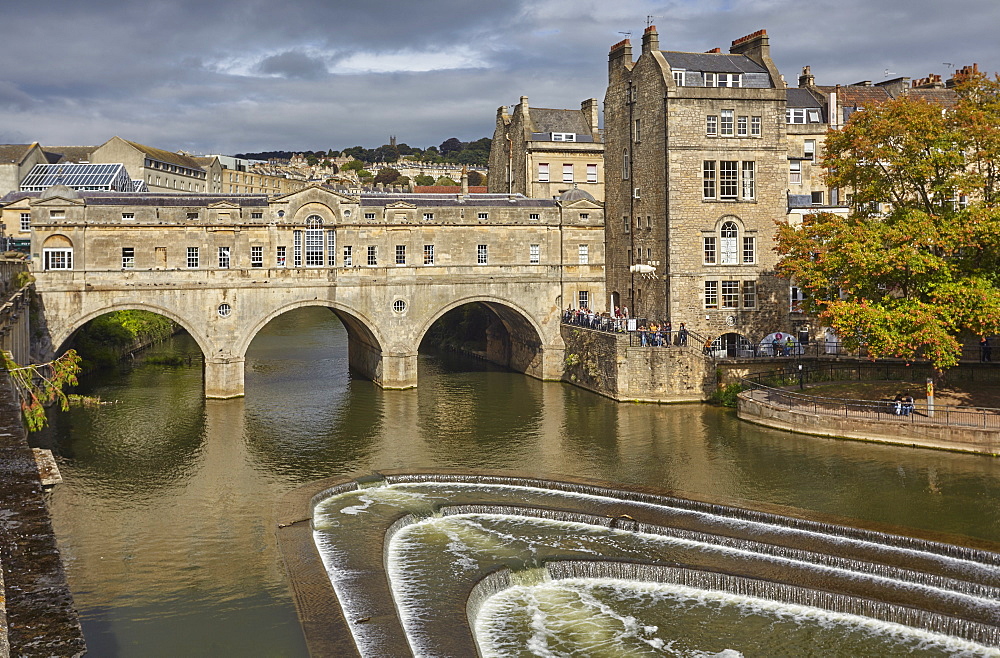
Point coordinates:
[[729, 244], [314, 241]]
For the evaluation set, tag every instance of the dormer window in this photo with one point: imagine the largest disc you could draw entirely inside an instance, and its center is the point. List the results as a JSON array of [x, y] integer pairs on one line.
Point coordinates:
[[563, 137], [678, 77], [723, 79]]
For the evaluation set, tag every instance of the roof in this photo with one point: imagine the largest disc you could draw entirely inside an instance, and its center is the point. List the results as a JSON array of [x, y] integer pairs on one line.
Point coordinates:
[[712, 62], [95, 198], [108, 176], [797, 97], [943, 97], [470, 201], [858, 95], [166, 156], [544, 120], [58, 154], [13, 152]]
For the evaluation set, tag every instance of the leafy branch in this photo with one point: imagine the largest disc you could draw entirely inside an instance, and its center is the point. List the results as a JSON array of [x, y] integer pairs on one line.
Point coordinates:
[[42, 384]]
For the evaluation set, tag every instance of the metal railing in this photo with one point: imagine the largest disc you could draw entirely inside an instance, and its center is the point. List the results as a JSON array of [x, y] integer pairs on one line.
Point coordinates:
[[637, 337], [769, 392]]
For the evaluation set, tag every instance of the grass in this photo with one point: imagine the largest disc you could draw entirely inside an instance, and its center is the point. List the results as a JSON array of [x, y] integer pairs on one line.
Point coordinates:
[[957, 395]]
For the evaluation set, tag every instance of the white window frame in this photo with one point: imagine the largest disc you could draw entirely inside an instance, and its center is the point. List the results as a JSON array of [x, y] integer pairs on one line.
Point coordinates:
[[193, 258], [795, 172], [314, 241], [749, 294], [679, 77], [712, 125], [534, 216], [755, 124], [583, 254], [128, 258], [730, 294], [400, 255], [482, 216], [25, 222], [709, 179], [348, 255], [726, 123], [567, 175], [224, 258], [583, 298], [256, 255], [711, 296], [710, 250], [729, 179], [591, 173], [728, 243], [482, 254], [297, 248], [749, 250], [428, 217], [543, 172], [428, 254], [809, 149], [128, 215], [331, 247], [748, 179], [372, 255], [534, 254], [57, 258], [281, 256], [742, 126], [563, 137], [795, 115]]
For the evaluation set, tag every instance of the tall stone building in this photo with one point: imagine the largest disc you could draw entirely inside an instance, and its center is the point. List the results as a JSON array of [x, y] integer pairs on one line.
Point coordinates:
[[541, 152], [697, 170]]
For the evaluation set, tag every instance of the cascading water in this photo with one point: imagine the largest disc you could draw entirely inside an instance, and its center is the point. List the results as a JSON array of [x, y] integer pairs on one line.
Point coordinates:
[[461, 553]]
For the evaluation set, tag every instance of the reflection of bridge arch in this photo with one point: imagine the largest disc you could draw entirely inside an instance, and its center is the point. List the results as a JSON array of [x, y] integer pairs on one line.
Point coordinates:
[[525, 338], [66, 330]]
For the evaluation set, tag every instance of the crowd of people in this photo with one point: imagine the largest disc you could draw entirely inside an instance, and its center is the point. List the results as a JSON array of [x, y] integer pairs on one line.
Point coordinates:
[[650, 333]]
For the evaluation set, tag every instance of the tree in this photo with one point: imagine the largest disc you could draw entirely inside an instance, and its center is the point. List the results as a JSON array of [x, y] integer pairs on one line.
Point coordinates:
[[364, 173], [444, 180], [42, 384], [450, 145], [915, 266], [353, 165], [424, 179], [387, 175], [476, 178]]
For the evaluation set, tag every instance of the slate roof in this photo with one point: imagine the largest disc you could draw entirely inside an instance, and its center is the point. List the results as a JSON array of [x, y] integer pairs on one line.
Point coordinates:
[[166, 156], [471, 201], [942, 97], [858, 95], [797, 97], [448, 189], [95, 198], [544, 120], [712, 62]]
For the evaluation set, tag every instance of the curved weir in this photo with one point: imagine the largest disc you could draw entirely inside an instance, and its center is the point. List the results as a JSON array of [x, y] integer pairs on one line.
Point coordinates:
[[451, 565]]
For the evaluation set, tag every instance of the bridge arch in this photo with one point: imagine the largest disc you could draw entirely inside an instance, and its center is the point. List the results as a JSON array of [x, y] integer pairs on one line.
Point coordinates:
[[527, 340], [365, 343], [62, 334]]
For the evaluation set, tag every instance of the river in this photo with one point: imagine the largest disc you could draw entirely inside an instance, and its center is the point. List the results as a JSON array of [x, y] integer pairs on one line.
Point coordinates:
[[165, 518]]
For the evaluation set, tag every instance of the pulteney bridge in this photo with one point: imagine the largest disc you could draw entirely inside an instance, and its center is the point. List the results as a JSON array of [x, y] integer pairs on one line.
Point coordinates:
[[388, 265]]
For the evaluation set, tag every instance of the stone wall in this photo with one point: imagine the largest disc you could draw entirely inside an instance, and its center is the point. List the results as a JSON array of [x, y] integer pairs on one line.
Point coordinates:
[[605, 363]]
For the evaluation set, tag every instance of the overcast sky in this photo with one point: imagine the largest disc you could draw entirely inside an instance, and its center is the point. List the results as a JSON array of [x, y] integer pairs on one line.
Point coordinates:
[[225, 76]]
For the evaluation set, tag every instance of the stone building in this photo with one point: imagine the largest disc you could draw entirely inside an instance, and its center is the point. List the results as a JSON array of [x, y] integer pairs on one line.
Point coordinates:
[[163, 171], [16, 160], [696, 157], [106, 231], [541, 152]]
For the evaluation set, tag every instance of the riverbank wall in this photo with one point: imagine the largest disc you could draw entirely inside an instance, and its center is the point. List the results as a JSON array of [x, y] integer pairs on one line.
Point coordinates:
[[37, 615], [606, 364]]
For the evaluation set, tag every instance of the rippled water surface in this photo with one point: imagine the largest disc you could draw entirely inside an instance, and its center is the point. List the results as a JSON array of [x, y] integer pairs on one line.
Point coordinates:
[[166, 515]]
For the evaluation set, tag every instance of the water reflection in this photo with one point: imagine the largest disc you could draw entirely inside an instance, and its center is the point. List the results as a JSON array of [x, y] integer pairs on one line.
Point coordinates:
[[166, 514]]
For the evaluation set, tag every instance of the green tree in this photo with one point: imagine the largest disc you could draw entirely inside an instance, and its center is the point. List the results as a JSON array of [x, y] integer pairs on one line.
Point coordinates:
[[353, 165], [41, 384], [424, 179], [476, 178], [444, 180], [364, 173], [387, 175], [915, 266]]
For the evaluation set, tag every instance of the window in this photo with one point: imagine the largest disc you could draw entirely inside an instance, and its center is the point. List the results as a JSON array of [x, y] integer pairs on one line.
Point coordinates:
[[57, 259], [726, 123], [543, 172], [749, 250], [297, 248], [748, 178], [755, 126], [279, 256], [626, 166], [428, 254], [679, 78], [190, 215], [533, 216], [128, 258], [481, 254], [128, 215], [817, 198], [428, 216], [256, 215], [729, 234], [256, 256], [193, 259], [749, 294], [584, 216], [723, 80], [583, 297], [534, 254], [795, 172], [314, 241], [482, 216], [584, 254], [331, 248], [348, 256], [369, 215], [809, 150], [795, 115], [26, 221], [711, 80], [708, 179], [57, 214], [625, 223], [711, 249], [711, 125], [711, 294], [812, 115], [372, 255], [224, 257], [399, 306], [567, 173], [741, 126], [563, 137], [730, 294], [728, 178], [592, 173], [400, 254], [636, 132]]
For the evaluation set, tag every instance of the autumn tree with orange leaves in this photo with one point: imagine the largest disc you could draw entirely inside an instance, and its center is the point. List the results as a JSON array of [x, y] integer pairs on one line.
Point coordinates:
[[914, 269]]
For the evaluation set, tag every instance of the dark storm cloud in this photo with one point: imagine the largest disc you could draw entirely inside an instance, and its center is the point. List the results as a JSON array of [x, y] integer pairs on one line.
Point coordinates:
[[236, 76]]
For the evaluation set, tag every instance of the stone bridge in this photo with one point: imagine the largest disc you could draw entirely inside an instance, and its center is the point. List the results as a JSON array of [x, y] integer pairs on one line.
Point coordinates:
[[388, 266]]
